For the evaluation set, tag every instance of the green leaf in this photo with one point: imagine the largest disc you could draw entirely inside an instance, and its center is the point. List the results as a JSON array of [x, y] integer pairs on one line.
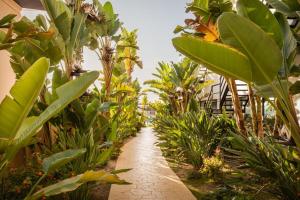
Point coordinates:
[[91, 113], [295, 88], [178, 29], [292, 4], [109, 11], [106, 106], [295, 71], [63, 25], [281, 7], [258, 13], [263, 52], [41, 21], [15, 108], [267, 91], [7, 19], [24, 25], [77, 31], [58, 79], [66, 94], [57, 160], [73, 183], [55, 8], [289, 41], [105, 156], [219, 58]]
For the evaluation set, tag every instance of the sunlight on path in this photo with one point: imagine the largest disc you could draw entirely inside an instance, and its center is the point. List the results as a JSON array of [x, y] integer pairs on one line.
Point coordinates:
[[151, 177]]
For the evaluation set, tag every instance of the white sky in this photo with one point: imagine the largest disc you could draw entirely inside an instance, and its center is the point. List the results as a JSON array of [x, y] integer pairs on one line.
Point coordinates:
[[155, 20]]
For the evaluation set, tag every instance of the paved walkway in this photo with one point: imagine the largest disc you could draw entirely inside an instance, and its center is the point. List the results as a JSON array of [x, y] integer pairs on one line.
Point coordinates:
[[151, 177]]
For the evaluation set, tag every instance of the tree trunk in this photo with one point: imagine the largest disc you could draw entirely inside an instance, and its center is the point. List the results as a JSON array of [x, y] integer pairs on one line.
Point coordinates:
[[253, 109], [259, 107], [278, 121], [237, 106]]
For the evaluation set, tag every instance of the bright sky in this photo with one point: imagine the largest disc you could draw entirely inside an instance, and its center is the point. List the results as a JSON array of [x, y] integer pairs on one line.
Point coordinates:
[[155, 20]]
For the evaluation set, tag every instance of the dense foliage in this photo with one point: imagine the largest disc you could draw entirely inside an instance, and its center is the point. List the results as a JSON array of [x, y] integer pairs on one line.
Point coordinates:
[[193, 135], [58, 130]]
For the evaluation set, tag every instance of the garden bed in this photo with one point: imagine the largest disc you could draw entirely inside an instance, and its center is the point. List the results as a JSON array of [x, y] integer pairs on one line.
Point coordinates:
[[232, 183]]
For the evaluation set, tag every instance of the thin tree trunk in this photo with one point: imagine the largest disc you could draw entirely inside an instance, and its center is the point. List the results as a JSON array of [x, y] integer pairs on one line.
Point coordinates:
[[237, 106], [253, 109], [277, 123], [259, 107]]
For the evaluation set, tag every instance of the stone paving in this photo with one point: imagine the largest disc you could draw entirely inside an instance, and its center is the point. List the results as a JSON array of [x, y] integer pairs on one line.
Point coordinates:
[[151, 177]]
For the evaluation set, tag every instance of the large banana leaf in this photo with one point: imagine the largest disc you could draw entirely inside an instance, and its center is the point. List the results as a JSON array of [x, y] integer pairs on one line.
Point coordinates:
[[77, 32], [15, 108], [66, 94], [282, 7], [73, 183], [219, 58], [257, 12], [55, 8], [289, 41], [59, 159], [263, 52]]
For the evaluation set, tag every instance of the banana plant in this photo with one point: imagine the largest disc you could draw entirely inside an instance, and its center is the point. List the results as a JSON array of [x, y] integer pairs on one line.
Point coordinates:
[[17, 36], [17, 127], [127, 50], [104, 36], [56, 161], [73, 183], [178, 84], [71, 30], [255, 58]]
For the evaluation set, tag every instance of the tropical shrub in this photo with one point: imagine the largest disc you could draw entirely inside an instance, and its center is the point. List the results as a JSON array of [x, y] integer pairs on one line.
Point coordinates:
[[270, 160], [53, 115], [179, 85], [194, 135], [232, 52], [212, 167]]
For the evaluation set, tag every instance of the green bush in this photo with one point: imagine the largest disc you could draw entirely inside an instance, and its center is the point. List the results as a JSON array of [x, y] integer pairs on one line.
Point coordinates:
[[194, 135], [270, 160], [212, 167]]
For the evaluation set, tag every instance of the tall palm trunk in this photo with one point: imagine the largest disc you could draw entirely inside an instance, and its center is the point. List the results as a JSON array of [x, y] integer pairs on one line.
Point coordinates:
[[259, 107], [253, 109], [237, 106]]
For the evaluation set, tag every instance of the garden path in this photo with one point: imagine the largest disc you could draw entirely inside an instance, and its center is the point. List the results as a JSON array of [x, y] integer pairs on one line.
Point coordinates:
[[151, 177]]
